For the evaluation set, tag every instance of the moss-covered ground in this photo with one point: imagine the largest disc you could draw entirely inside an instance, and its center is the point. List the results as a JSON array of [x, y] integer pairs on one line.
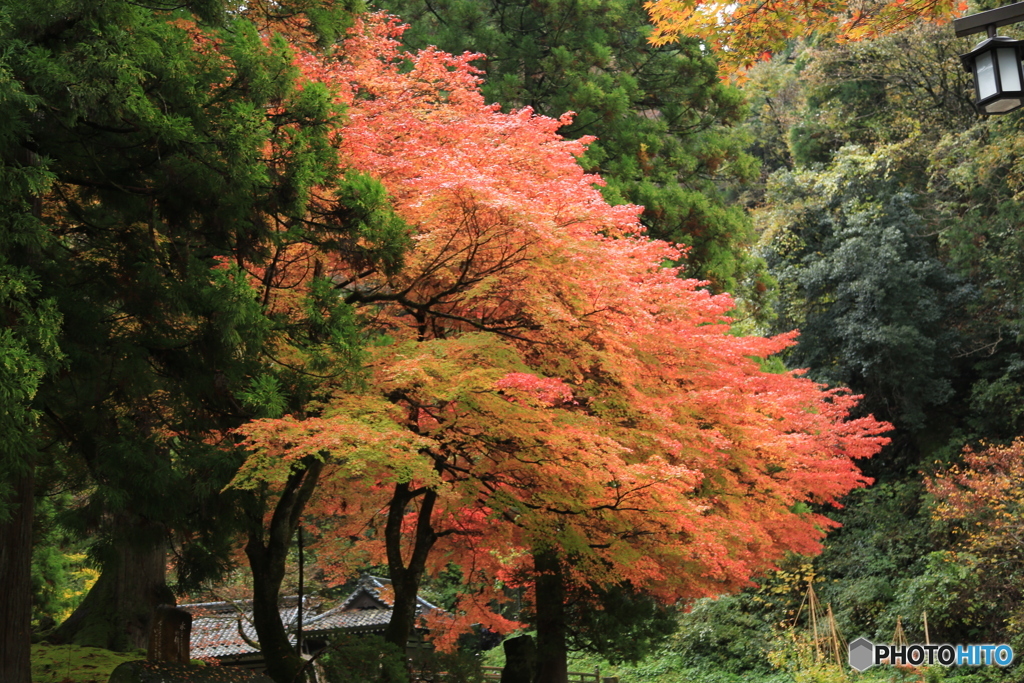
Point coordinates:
[[76, 664]]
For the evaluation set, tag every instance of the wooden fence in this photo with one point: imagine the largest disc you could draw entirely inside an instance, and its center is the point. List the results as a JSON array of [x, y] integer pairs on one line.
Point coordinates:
[[493, 673]]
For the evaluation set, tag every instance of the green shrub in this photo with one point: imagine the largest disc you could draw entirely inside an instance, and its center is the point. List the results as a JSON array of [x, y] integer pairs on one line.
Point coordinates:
[[457, 667], [728, 634], [364, 659]]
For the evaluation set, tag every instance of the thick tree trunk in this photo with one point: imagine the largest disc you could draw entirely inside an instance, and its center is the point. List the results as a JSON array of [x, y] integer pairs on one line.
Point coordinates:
[[267, 550], [16, 585], [118, 611], [406, 577], [552, 648]]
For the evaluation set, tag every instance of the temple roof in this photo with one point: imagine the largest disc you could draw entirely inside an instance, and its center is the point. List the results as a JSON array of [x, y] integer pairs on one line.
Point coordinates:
[[367, 609]]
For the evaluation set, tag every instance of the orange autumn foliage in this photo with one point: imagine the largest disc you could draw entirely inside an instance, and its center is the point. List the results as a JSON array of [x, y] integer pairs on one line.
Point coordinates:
[[980, 503], [984, 497], [743, 32], [545, 381]]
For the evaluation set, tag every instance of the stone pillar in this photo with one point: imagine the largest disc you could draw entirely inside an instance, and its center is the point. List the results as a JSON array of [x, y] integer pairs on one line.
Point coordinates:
[[520, 660], [169, 635]]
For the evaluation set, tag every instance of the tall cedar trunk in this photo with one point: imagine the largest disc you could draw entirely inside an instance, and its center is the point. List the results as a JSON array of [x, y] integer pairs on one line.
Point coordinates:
[[267, 550], [406, 578], [552, 651], [16, 585], [117, 612]]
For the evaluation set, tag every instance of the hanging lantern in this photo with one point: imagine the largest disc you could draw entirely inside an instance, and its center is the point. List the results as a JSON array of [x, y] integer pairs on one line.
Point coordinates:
[[998, 79]]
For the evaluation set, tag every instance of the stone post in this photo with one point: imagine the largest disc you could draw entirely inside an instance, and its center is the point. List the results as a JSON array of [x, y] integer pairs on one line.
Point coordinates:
[[169, 635], [520, 660]]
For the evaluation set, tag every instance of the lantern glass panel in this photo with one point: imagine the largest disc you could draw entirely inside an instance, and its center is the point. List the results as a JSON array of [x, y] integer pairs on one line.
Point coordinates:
[[986, 75], [1009, 74]]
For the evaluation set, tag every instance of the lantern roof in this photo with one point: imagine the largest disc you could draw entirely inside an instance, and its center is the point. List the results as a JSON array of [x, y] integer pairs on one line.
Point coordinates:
[[984, 46]]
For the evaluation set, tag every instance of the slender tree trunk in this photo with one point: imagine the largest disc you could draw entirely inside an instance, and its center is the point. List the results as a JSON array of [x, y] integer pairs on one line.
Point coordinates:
[[118, 611], [267, 550], [16, 585], [268, 568], [552, 649], [406, 577]]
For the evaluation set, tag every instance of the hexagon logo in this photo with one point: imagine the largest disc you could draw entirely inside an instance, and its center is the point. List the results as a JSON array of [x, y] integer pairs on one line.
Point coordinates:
[[862, 654]]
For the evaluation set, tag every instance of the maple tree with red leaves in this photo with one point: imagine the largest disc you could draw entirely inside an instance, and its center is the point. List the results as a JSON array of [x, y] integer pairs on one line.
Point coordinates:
[[546, 403]]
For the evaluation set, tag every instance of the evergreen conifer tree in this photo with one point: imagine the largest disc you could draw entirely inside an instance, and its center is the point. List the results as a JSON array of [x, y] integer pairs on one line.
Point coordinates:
[[148, 152]]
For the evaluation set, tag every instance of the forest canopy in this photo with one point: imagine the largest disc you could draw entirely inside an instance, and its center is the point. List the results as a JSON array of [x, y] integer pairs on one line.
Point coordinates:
[[519, 303]]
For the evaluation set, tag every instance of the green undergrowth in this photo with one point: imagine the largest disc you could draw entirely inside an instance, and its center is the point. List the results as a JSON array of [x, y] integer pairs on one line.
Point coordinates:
[[662, 667], [675, 666], [76, 664]]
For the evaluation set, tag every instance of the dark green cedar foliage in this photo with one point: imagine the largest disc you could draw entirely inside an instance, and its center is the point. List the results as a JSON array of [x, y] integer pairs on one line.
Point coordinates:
[[28, 337], [29, 354], [136, 180]]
